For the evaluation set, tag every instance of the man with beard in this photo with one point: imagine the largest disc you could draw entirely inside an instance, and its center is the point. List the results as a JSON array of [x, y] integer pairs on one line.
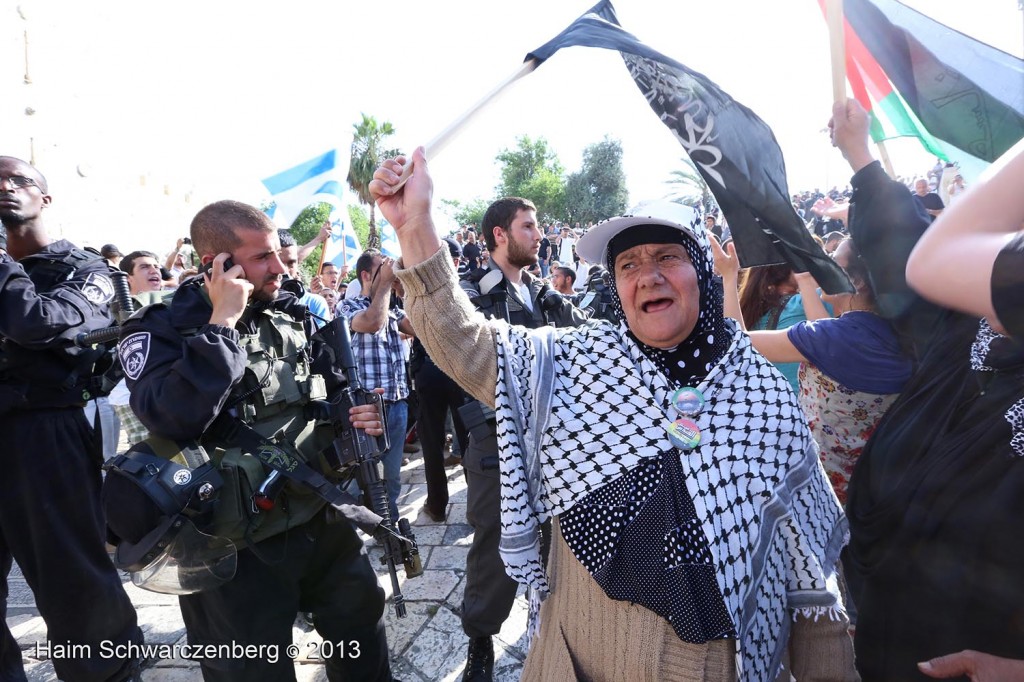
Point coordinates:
[[51, 522], [504, 289], [317, 304], [563, 279], [232, 363]]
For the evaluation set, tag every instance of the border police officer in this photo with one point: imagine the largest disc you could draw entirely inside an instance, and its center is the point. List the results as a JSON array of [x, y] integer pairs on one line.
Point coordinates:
[[232, 345], [50, 517], [503, 290]]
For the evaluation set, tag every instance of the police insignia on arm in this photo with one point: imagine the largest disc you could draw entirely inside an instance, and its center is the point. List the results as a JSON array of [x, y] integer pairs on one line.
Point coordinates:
[[133, 352], [98, 289]]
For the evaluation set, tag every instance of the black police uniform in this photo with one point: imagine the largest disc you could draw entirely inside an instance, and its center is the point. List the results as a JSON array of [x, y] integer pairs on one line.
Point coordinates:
[[489, 592], [183, 372], [436, 395], [50, 516]]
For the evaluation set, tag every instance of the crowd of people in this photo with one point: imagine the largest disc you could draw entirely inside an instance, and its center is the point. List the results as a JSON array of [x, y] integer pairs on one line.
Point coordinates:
[[700, 471]]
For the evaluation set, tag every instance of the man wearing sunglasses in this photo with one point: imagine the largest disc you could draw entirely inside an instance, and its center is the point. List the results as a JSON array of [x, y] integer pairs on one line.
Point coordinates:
[[50, 517]]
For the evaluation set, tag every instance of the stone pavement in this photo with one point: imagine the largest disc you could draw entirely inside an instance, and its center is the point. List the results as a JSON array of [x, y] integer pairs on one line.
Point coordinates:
[[426, 646]]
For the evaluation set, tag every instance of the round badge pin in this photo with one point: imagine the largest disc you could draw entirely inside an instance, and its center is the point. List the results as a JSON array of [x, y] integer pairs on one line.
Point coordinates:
[[688, 401], [684, 433]]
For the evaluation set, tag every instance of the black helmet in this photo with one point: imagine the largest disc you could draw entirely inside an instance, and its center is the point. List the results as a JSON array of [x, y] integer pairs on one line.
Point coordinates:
[[153, 506]]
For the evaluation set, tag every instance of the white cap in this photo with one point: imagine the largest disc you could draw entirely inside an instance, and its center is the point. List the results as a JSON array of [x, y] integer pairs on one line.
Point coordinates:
[[593, 246]]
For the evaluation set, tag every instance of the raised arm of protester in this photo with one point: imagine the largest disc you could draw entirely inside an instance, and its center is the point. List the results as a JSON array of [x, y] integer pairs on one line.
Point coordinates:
[[320, 238], [976, 243], [885, 223], [621, 383]]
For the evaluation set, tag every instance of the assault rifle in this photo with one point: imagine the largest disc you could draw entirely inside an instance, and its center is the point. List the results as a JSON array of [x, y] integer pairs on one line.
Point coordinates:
[[107, 372], [357, 454], [123, 307]]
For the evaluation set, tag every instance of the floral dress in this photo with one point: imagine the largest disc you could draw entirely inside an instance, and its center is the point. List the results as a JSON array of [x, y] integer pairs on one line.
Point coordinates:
[[841, 421]]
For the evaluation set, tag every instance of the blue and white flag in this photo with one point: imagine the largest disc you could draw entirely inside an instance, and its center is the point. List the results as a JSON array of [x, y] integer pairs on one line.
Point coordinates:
[[342, 248], [316, 180], [388, 239]]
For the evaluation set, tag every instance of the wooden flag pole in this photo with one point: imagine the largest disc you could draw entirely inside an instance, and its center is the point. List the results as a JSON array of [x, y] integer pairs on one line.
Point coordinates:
[[837, 43], [323, 254], [886, 161], [434, 147]]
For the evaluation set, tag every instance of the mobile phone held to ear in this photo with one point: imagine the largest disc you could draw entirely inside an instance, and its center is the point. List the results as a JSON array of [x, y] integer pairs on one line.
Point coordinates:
[[208, 268]]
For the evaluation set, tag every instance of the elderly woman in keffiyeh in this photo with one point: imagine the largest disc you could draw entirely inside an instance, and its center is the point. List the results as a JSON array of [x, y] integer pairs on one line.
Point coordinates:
[[694, 535]]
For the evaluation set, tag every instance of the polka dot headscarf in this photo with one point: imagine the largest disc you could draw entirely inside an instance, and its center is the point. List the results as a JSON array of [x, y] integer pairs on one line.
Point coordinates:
[[691, 360]]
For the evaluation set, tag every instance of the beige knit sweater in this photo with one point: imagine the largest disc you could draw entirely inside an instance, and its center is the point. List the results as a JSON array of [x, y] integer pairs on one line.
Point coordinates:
[[584, 634]]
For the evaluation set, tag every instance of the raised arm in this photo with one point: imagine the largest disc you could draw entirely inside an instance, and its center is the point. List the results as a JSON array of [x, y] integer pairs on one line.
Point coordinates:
[[774, 345], [320, 238], [963, 243], [460, 341], [728, 266], [885, 223], [814, 308]]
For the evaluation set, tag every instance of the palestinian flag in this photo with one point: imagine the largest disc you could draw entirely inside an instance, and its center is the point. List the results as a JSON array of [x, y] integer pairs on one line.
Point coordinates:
[[890, 115], [918, 77]]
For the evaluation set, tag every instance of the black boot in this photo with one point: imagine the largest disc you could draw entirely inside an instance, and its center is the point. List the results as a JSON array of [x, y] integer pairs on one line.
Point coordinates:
[[480, 663]]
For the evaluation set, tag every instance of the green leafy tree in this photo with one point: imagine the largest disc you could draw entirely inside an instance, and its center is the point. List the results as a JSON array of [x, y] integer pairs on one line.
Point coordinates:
[[367, 153], [532, 170], [466, 212], [688, 187], [360, 218], [598, 190], [307, 226], [578, 198]]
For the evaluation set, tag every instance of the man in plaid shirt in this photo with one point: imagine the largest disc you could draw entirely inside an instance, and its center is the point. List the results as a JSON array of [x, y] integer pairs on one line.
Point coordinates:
[[378, 351]]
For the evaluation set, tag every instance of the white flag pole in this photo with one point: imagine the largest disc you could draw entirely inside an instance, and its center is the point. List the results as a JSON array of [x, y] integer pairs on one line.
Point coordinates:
[[434, 147]]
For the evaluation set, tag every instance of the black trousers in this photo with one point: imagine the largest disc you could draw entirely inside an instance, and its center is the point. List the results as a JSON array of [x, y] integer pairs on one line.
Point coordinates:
[[52, 525], [319, 567], [437, 395], [11, 667]]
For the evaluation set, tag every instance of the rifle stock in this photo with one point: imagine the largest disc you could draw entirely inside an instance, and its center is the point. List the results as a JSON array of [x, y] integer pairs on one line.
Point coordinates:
[[356, 451]]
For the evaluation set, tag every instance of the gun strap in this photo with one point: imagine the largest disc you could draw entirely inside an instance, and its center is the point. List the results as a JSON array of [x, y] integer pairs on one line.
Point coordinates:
[[237, 433]]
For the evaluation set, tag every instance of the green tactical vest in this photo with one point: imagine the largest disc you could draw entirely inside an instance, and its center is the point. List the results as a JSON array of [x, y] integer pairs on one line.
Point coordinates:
[[277, 383]]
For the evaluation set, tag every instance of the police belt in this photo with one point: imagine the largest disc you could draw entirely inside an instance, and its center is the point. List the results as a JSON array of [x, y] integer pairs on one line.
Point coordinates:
[[479, 420], [237, 433]]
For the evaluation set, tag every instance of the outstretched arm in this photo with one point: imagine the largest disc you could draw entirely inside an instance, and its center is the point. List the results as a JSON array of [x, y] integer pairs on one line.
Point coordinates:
[[320, 238], [963, 243], [459, 340], [774, 345]]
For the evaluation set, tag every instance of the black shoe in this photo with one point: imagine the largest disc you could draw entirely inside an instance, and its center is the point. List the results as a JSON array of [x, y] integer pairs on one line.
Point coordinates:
[[480, 662], [436, 517]]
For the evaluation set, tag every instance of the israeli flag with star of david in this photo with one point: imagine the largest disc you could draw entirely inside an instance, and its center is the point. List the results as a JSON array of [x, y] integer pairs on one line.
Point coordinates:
[[342, 248], [316, 180]]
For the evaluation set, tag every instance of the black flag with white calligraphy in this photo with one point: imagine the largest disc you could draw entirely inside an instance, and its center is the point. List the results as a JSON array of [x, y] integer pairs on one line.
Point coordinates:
[[733, 150]]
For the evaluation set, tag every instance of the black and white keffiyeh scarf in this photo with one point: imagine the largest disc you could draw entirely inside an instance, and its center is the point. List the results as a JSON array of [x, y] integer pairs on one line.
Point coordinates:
[[581, 409]]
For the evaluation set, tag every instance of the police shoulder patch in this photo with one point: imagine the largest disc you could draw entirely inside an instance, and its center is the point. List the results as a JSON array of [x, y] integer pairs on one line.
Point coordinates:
[[98, 288], [133, 352]]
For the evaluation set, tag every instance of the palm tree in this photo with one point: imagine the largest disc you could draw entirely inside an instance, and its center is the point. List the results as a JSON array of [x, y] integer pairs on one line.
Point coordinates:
[[689, 188], [367, 153]]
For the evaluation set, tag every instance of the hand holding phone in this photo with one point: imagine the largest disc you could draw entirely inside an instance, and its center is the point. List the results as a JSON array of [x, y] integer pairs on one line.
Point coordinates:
[[229, 295], [208, 268]]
